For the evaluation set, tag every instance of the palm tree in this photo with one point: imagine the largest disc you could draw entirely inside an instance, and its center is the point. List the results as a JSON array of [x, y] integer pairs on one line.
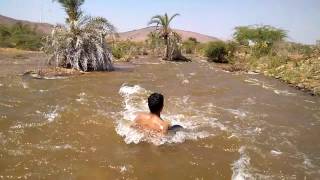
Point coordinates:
[[81, 44], [163, 22]]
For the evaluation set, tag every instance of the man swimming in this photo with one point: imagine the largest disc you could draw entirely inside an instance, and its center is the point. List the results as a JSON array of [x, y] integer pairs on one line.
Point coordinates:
[[152, 121]]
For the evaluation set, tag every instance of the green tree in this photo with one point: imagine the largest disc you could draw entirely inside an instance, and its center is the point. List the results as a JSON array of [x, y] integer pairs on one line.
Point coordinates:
[[163, 22], [263, 37]]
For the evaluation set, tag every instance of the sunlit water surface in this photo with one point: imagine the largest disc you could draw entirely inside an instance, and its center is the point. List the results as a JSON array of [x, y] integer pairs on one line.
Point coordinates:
[[237, 126]]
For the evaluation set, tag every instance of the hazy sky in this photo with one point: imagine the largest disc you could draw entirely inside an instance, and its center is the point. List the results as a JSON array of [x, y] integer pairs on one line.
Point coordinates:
[[213, 17]]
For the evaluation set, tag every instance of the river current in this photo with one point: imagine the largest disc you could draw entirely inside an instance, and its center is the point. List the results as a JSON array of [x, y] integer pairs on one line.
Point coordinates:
[[237, 125]]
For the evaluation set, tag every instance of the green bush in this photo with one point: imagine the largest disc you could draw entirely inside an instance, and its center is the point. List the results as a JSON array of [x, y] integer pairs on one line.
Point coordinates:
[[118, 52], [201, 49], [128, 49], [20, 36], [217, 52], [190, 45], [300, 48], [155, 43]]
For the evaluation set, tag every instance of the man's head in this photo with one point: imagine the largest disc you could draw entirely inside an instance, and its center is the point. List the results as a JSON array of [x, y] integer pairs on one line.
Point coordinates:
[[155, 103]]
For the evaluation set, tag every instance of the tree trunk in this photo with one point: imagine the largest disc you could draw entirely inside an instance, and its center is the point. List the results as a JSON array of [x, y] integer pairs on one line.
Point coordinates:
[[167, 48]]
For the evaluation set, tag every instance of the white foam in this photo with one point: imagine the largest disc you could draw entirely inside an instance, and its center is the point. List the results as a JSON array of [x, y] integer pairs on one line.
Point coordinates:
[[126, 90], [82, 97], [249, 101], [25, 85], [42, 90], [65, 146], [52, 114], [55, 77], [134, 101], [284, 92], [307, 162], [180, 75], [122, 168], [1, 85], [275, 152], [186, 81], [6, 105], [53, 147], [238, 113], [146, 63], [264, 85], [240, 168], [185, 99], [27, 125], [310, 101], [252, 73]]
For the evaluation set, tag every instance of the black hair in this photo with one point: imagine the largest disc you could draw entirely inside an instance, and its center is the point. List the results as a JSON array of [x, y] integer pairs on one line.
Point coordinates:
[[155, 102]]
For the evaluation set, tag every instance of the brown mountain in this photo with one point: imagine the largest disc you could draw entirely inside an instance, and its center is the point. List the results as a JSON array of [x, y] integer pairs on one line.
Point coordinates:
[[40, 27], [142, 34], [135, 35]]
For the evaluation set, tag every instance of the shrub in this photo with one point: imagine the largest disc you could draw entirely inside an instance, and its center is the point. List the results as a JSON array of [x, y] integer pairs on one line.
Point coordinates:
[[300, 48], [155, 43], [232, 47], [190, 45], [216, 52], [117, 52], [128, 49], [19, 36], [201, 49]]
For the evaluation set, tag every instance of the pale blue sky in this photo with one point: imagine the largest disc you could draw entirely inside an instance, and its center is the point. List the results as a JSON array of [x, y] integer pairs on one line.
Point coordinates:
[[213, 17]]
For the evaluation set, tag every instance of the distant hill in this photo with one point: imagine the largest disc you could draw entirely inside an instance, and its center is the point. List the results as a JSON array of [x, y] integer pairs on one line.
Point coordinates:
[[142, 34], [135, 35], [43, 28]]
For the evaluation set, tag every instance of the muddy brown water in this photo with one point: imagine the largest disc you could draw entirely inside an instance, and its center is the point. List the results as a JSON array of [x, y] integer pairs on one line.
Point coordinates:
[[238, 126]]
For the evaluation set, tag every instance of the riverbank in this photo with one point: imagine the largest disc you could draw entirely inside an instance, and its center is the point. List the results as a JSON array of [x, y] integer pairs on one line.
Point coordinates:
[[301, 73]]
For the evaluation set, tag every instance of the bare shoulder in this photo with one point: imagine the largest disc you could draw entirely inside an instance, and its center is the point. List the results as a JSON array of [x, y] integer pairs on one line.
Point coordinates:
[[141, 116]]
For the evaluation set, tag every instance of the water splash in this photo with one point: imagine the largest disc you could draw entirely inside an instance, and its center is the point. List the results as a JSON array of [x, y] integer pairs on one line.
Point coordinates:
[[82, 98], [24, 85], [240, 167], [135, 101], [256, 82], [275, 152], [52, 114], [284, 92]]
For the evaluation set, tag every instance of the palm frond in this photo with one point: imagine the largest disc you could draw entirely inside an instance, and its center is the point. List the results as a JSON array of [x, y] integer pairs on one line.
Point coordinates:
[[99, 25], [172, 17], [72, 8], [155, 20]]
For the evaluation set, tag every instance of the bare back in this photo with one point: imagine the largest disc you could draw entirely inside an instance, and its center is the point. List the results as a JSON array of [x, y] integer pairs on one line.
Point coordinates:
[[151, 122]]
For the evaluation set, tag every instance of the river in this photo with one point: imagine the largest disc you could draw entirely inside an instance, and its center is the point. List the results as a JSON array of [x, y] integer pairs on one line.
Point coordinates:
[[238, 125]]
